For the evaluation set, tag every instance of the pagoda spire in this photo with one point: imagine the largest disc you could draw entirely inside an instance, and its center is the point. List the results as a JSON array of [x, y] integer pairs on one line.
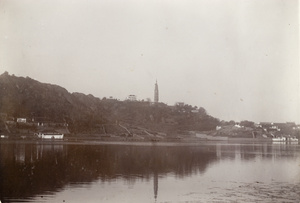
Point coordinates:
[[156, 95]]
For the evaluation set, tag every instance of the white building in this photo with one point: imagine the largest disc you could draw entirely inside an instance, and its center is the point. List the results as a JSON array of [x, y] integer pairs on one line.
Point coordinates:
[[50, 136], [21, 120], [131, 97]]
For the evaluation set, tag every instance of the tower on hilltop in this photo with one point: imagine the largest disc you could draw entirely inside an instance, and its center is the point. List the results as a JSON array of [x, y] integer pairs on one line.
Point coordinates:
[[156, 98]]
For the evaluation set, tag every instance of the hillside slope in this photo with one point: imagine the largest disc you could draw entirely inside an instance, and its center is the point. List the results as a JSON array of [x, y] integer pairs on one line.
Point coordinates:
[[27, 98]]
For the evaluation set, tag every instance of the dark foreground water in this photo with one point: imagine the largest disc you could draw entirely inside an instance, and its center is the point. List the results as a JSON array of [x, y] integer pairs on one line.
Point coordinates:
[[146, 172]]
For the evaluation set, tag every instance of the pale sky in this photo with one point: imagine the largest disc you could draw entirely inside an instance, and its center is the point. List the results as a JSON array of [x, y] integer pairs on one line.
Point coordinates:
[[239, 59]]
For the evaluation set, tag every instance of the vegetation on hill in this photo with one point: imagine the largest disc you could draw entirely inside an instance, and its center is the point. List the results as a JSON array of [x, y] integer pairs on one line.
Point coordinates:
[[39, 102]]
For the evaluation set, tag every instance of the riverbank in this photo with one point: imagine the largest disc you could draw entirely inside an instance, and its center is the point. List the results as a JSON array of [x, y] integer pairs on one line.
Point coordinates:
[[136, 141]]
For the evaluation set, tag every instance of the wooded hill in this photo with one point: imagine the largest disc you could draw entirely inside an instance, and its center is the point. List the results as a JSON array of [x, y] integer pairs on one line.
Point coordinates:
[[22, 97]]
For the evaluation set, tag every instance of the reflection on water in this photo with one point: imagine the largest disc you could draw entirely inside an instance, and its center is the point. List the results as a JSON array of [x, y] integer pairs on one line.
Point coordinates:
[[155, 172]]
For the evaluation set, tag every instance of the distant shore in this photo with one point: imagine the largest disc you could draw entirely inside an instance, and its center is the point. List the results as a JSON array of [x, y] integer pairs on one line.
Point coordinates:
[[97, 140]]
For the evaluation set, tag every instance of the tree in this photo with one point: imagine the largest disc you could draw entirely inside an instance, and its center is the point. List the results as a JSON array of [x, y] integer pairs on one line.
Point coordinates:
[[247, 123], [202, 111], [232, 122]]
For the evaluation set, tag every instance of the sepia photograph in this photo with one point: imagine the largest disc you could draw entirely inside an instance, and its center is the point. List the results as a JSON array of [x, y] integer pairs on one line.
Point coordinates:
[[149, 101]]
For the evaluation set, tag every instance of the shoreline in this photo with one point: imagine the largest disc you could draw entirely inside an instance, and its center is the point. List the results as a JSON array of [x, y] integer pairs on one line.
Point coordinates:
[[118, 140]]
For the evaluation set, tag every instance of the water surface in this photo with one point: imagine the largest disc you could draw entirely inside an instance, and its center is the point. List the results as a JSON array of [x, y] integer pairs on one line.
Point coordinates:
[[148, 172]]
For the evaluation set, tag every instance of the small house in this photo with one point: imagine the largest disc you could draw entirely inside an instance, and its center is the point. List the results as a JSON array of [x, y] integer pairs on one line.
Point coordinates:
[[21, 120]]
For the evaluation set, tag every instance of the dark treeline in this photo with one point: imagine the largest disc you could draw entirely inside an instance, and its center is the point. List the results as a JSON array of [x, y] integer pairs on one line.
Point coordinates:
[[28, 98]]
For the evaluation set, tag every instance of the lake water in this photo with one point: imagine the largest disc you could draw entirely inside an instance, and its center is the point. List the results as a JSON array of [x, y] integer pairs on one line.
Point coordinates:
[[148, 172]]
